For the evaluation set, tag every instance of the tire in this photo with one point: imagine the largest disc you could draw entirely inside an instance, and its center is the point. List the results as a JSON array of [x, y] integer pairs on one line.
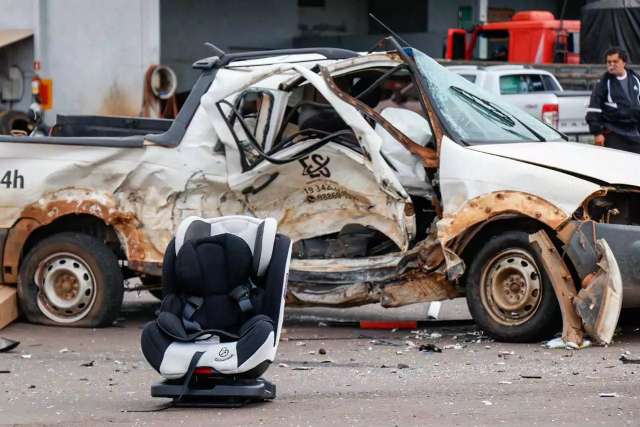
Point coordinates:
[[509, 293], [86, 270]]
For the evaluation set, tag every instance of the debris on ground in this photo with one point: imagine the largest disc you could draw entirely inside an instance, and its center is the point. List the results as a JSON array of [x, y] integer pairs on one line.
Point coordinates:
[[25, 356], [282, 365], [403, 366], [301, 368], [430, 348], [379, 341], [453, 346], [567, 345], [88, 364], [608, 394], [487, 402], [628, 359], [531, 377], [7, 345], [322, 351]]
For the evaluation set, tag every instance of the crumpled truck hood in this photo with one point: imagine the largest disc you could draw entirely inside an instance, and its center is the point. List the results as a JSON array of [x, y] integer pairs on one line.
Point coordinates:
[[602, 164]]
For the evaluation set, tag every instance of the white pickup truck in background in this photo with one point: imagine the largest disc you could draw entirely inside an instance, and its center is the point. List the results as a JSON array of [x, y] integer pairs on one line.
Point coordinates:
[[537, 92]]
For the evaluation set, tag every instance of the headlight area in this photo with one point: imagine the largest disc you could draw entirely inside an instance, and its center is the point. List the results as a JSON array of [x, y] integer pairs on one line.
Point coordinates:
[[611, 205]]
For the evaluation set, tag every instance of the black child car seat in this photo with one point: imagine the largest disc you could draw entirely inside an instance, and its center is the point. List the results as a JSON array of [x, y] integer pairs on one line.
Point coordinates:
[[224, 282]]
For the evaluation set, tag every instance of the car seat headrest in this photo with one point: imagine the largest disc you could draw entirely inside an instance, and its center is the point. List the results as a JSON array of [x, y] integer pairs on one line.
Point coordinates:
[[259, 234]]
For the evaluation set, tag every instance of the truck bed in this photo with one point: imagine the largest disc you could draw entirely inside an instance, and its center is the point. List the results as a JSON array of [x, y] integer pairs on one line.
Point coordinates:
[[98, 131], [107, 126], [572, 111]]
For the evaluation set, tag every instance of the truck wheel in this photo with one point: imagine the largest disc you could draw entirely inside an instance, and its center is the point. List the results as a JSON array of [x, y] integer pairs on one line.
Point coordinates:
[[509, 293], [70, 279]]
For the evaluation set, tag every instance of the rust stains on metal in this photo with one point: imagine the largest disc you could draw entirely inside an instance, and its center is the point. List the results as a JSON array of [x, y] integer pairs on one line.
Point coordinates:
[[417, 286], [490, 205], [566, 231], [335, 296], [563, 285], [585, 204], [75, 201], [428, 156], [13, 247], [430, 255]]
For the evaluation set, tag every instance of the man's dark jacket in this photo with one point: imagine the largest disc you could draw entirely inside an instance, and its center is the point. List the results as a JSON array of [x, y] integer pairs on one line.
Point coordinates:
[[611, 110]]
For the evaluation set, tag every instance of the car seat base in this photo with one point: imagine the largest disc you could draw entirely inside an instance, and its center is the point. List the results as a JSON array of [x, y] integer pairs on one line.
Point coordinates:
[[215, 392]]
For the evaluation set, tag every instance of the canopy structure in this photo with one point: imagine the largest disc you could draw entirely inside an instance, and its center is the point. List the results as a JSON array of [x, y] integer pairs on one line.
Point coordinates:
[[8, 37], [607, 23]]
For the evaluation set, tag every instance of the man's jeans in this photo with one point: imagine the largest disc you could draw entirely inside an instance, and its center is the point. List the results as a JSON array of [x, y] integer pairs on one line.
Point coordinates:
[[613, 140]]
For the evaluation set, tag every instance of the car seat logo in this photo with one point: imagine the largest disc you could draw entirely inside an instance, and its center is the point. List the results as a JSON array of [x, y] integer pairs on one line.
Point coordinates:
[[315, 166], [223, 354]]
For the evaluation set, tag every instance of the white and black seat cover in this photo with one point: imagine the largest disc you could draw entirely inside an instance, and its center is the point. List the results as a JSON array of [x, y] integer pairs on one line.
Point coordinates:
[[224, 282]]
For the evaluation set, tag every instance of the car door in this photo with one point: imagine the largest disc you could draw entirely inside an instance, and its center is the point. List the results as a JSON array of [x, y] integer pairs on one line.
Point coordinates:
[[311, 189]]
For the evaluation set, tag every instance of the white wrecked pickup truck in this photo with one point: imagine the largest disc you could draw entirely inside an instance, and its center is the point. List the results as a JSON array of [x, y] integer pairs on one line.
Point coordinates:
[[392, 196]]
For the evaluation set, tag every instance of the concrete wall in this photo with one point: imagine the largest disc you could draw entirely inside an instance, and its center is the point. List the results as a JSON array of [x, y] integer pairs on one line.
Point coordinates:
[[337, 17], [441, 16], [229, 24], [17, 14], [96, 52]]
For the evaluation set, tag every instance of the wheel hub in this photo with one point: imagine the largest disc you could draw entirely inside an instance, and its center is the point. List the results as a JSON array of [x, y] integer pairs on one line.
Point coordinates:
[[511, 287], [66, 287]]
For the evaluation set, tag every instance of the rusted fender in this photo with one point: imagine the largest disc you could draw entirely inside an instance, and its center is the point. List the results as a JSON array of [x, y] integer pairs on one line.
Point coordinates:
[[75, 201], [600, 301], [563, 286]]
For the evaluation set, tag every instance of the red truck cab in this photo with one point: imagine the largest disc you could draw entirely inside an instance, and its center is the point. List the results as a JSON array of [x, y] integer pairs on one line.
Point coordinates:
[[531, 37]]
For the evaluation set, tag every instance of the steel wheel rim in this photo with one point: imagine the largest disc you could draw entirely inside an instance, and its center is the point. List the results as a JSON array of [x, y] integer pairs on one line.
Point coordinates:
[[66, 287], [511, 287]]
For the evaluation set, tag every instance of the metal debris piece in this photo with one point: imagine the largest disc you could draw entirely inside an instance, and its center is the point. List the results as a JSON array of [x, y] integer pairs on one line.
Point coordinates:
[[560, 343], [563, 285], [88, 364], [531, 377], [629, 360], [7, 345], [430, 348], [608, 394]]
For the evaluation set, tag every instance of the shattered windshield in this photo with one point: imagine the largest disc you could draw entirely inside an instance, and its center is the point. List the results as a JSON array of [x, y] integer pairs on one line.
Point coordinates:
[[474, 115]]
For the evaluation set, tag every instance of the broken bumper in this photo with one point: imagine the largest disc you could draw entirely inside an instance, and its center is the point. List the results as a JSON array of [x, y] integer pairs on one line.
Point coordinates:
[[624, 241]]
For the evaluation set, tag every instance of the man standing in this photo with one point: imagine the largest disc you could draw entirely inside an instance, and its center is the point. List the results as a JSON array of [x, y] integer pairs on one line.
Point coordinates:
[[614, 109]]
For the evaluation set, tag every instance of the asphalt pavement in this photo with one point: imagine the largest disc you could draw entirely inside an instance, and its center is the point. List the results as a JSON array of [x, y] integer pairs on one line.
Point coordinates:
[[330, 372]]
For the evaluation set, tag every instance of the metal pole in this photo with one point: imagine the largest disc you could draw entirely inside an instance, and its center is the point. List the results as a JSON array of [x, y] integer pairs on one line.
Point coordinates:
[[483, 7]]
